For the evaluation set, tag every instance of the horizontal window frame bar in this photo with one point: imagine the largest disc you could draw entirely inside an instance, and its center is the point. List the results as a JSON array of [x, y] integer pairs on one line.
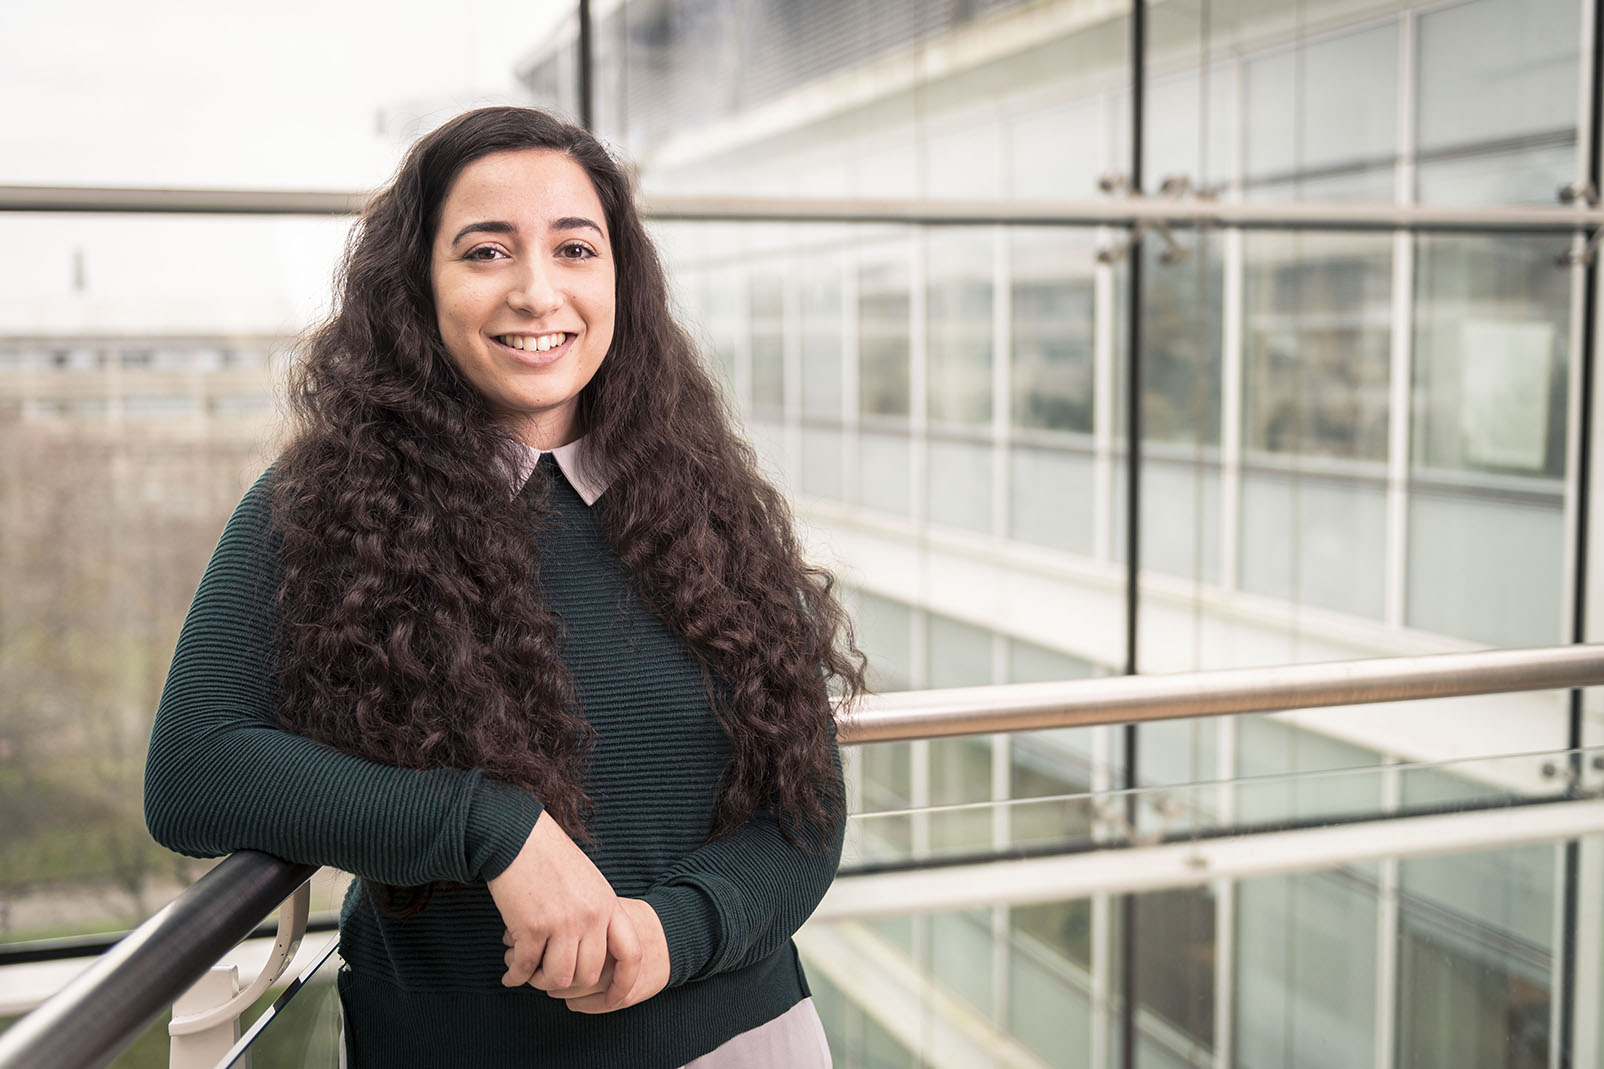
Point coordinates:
[[1196, 863], [1124, 840], [1129, 211]]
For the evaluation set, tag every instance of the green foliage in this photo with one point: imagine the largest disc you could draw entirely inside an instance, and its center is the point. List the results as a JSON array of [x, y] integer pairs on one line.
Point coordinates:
[[102, 539]]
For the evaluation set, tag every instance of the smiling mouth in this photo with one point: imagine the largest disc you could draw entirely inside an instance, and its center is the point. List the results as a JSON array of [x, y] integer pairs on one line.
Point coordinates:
[[533, 343]]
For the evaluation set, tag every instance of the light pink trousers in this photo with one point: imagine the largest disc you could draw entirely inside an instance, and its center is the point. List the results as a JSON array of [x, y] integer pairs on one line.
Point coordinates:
[[793, 1040]]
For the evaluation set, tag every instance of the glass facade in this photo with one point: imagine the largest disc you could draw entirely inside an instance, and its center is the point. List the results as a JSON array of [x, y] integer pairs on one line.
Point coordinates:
[[1358, 439], [1356, 442]]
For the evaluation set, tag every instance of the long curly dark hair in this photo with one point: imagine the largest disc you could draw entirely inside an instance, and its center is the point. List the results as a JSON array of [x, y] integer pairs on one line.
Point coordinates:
[[414, 632]]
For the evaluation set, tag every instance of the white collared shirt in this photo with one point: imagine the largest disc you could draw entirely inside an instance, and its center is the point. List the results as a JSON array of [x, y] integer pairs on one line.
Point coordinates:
[[570, 458]]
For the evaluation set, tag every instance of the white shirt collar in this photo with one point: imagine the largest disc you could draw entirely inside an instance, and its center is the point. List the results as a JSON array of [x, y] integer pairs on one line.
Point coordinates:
[[570, 458]]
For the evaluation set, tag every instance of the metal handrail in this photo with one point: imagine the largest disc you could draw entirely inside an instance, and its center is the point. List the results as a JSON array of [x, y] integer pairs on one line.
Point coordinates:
[[925, 714], [1187, 210], [90, 1020]]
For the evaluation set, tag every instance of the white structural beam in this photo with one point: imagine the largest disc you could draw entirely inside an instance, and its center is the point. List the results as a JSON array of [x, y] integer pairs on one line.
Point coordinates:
[[1138, 870]]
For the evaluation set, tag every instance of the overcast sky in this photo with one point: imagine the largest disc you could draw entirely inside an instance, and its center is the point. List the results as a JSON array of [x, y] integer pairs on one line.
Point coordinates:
[[199, 92], [206, 93]]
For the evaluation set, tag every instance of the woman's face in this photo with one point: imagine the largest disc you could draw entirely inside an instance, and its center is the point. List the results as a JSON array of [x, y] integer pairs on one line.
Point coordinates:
[[522, 274]]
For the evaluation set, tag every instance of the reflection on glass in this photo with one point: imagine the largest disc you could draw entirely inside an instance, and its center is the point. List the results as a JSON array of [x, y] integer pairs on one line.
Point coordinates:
[[1049, 958], [821, 338], [723, 321], [857, 1039], [1306, 970], [1317, 344], [1174, 967], [1181, 512], [958, 303], [302, 1027], [822, 451], [883, 383], [1053, 150], [960, 768], [1051, 303], [1315, 537], [1189, 127], [1491, 331], [1511, 539], [766, 307], [1181, 342], [1316, 330], [959, 482], [1267, 748], [883, 480], [1491, 397], [884, 631], [1051, 494], [1475, 949], [1497, 100], [961, 957], [1325, 108]]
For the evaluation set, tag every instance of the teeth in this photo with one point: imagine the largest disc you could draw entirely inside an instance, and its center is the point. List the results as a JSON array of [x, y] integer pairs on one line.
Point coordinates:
[[533, 343]]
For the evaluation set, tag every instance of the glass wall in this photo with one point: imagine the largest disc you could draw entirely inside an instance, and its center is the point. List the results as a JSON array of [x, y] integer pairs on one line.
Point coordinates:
[[1356, 442]]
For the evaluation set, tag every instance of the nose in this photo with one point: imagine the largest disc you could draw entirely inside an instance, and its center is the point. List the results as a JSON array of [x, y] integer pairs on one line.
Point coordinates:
[[534, 291]]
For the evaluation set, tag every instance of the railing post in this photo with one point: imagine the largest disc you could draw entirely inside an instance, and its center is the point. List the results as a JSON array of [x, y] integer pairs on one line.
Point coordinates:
[[204, 1049], [210, 1010]]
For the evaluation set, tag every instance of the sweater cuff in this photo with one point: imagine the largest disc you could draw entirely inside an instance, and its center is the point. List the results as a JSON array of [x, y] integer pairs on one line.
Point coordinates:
[[690, 926], [500, 818]]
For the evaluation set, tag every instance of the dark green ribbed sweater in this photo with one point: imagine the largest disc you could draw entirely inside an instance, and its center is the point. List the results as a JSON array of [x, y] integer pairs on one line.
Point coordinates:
[[426, 991]]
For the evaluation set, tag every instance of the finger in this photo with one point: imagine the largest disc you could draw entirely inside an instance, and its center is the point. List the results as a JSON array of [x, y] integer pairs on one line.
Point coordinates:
[[521, 959], [506, 938], [623, 944], [599, 987], [556, 969], [589, 1004], [590, 960]]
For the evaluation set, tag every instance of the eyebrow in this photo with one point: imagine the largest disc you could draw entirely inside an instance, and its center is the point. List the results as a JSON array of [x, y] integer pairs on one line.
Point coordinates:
[[498, 226]]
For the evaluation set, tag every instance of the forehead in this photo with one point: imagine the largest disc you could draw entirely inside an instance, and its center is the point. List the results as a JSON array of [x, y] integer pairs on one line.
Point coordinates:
[[526, 187]]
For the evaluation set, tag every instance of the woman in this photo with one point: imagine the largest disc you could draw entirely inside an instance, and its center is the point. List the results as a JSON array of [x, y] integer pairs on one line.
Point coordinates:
[[514, 631]]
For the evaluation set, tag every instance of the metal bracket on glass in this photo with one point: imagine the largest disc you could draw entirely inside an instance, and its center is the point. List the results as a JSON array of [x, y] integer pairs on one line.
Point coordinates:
[[1173, 187], [1169, 810], [193, 1029], [1113, 182], [1583, 255], [1572, 192], [1585, 193]]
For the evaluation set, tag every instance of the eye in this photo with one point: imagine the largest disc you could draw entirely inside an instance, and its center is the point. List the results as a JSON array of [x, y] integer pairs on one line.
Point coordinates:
[[575, 250], [484, 253]]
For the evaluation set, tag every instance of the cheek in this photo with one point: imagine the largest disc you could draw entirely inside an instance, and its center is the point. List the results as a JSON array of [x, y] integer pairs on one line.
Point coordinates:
[[607, 311], [456, 313]]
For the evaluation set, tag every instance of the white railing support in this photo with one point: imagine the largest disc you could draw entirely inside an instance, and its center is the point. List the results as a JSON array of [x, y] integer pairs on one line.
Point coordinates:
[[205, 1022], [203, 1048]]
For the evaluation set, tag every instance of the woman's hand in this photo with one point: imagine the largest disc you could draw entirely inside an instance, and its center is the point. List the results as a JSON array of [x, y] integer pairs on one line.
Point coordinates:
[[564, 923], [600, 997]]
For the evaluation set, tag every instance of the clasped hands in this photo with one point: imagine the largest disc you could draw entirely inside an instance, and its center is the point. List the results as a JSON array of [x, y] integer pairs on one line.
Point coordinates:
[[569, 935]]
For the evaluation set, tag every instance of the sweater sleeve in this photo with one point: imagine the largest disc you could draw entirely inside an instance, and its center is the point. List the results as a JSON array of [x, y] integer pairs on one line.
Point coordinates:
[[222, 775], [738, 899]]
